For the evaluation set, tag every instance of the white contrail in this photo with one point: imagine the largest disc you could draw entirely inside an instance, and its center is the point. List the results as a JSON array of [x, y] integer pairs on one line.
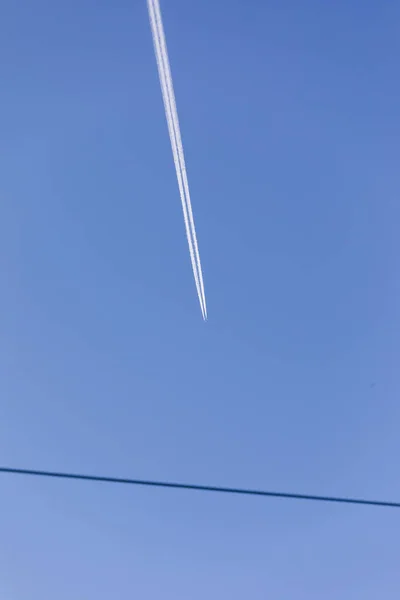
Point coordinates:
[[174, 149], [179, 145], [176, 143], [172, 134]]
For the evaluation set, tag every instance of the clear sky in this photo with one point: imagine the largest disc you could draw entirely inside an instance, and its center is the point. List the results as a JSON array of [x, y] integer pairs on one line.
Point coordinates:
[[290, 116]]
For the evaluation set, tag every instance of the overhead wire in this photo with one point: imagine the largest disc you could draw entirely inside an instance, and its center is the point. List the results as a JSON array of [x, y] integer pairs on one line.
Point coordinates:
[[199, 488]]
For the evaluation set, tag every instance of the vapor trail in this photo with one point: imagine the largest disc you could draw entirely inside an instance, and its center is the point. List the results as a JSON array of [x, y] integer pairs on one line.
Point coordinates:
[[172, 134], [179, 145], [176, 144]]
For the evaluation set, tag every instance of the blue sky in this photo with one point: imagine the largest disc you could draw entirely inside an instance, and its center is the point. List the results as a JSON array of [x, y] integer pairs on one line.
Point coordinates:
[[290, 121]]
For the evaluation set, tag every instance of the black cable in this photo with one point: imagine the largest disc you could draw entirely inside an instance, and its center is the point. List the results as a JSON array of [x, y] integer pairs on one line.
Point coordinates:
[[200, 488]]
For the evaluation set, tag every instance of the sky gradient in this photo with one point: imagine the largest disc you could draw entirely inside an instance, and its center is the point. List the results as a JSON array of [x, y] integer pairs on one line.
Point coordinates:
[[290, 118]]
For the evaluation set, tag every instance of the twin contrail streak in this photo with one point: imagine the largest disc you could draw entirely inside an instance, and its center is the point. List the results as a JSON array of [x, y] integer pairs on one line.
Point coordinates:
[[171, 113]]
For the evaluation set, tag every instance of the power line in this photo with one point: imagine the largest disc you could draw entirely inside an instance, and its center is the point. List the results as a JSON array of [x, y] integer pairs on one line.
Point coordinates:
[[199, 488]]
